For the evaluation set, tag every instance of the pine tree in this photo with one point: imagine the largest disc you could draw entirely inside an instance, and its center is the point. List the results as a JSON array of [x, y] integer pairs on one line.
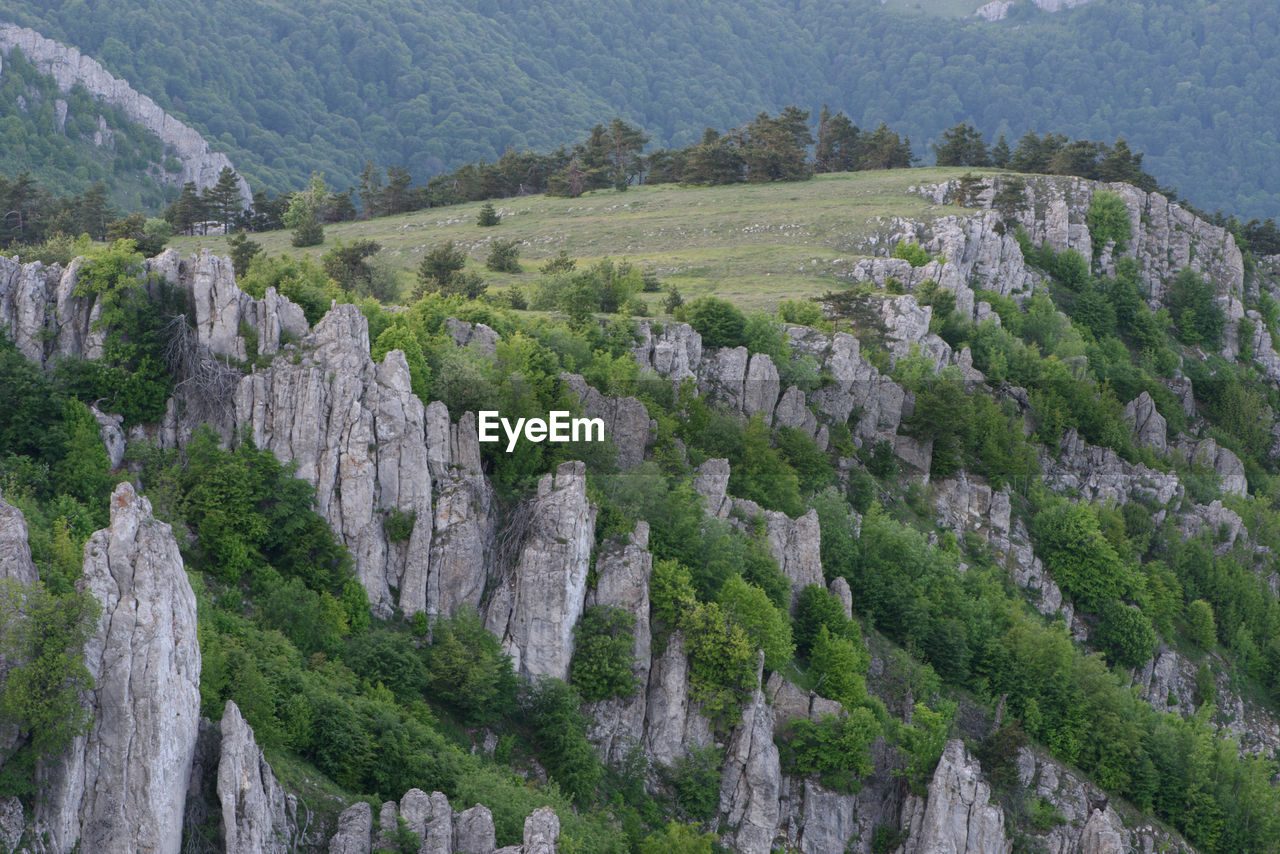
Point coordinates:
[[487, 216], [224, 198], [626, 142], [962, 145], [837, 143], [1000, 153]]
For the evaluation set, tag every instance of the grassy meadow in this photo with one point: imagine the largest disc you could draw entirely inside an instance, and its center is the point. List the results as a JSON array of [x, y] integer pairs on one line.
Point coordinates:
[[755, 244]]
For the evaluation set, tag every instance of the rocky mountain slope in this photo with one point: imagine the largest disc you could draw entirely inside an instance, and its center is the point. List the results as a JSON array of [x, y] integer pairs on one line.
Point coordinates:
[[375, 453]]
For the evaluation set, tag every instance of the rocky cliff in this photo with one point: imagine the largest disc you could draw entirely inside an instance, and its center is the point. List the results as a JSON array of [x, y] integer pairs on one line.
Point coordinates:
[[69, 68], [122, 786]]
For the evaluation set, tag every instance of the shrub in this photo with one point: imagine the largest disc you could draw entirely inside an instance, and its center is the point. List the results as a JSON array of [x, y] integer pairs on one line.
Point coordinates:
[[695, 779], [838, 666], [911, 252], [468, 669], [1108, 220], [487, 216], [836, 749], [817, 609], [1124, 633], [602, 654], [767, 627], [562, 263], [719, 322], [504, 257], [560, 731], [1202, 628]]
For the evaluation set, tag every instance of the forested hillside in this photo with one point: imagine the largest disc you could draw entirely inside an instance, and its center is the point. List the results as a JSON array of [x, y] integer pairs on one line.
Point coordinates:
[[434, 83]]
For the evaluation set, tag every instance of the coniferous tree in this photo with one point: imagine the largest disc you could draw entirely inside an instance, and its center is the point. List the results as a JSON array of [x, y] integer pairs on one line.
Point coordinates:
[[962, 145], [626, 141], [1000, 153], [837, 143]]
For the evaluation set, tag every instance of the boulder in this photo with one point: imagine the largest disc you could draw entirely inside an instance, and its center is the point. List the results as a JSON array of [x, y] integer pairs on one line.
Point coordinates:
[[1146, 423], [355, 830], [473, 831]]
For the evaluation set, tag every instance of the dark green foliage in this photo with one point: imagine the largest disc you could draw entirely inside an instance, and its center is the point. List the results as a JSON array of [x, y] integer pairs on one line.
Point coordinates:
[[1196, 315], [837, 750], [695, 779], [1108, 220], [389, 658], [349, 266], [719, 322], [817, 609], [488, 216], [561, 263], [504, 257], [399, 525], [911, 252], [243, 251], [42, 641], [468, 669], [603, 642], [1124, 633], [560, 731], [962, 145], [245, 510], [1201, 626], [1079, 557]]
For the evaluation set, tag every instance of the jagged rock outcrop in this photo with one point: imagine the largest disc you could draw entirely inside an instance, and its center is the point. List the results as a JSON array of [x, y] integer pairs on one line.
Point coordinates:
[[711, 481], [13, 823], [15, 550], [1146, 422], [906, 325], [675, 352], [541, 831], [68, 67], [222, 313], [626, 421], [1099, 474], [464, 523], [751, 780], [622, 581], [357, 433], [24, 303], [795, 544], [957, 815], [855, 385], [257, 816], [111, 429], [477, 336], [473, 831], [355, 826], [122, 786], [1226, 465], [1090, 824], [535, 609], [672, 723]]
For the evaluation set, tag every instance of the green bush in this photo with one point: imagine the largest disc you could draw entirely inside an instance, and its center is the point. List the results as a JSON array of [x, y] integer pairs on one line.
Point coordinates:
[[817, 609], [718, 321], [911, 252], [837, 749], [695, 779], [838, 666], [560, 732], [603, 642], [1125, 634], [467, 668], [1202, 627], [504, 257], [488, 216], [1108, 220], [765, 624]]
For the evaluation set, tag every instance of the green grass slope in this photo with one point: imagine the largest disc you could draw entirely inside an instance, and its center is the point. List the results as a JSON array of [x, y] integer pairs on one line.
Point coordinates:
[[753, 244]]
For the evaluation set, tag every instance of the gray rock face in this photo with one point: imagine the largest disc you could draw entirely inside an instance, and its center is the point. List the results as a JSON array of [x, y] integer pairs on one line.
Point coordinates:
[[622, 581], [123, 786], [1091, 826], [68, 67], [357, 433], [672, 723], [541, 831], [712, 483], [793, 411], [477, 336], [957, 815], [750, 784], [840, 589], [796, 544], [626, 421], [855, 385], [464, 523], [1147, 424], [1225, 464], [12, 824], [438, 836], [256, 815], [15, 552], [1100, 475], [25, 292], [534, 612], [112, 433], [473, 831], [355, 828], [674, 353]]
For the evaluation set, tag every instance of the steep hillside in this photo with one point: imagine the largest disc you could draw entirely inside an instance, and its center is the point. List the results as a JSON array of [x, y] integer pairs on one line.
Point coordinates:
[[433, 83], [979, 556]]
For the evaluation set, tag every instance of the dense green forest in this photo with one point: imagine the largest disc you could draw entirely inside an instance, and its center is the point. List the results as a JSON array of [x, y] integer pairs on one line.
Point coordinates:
[[430, 85], [71, 143]]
